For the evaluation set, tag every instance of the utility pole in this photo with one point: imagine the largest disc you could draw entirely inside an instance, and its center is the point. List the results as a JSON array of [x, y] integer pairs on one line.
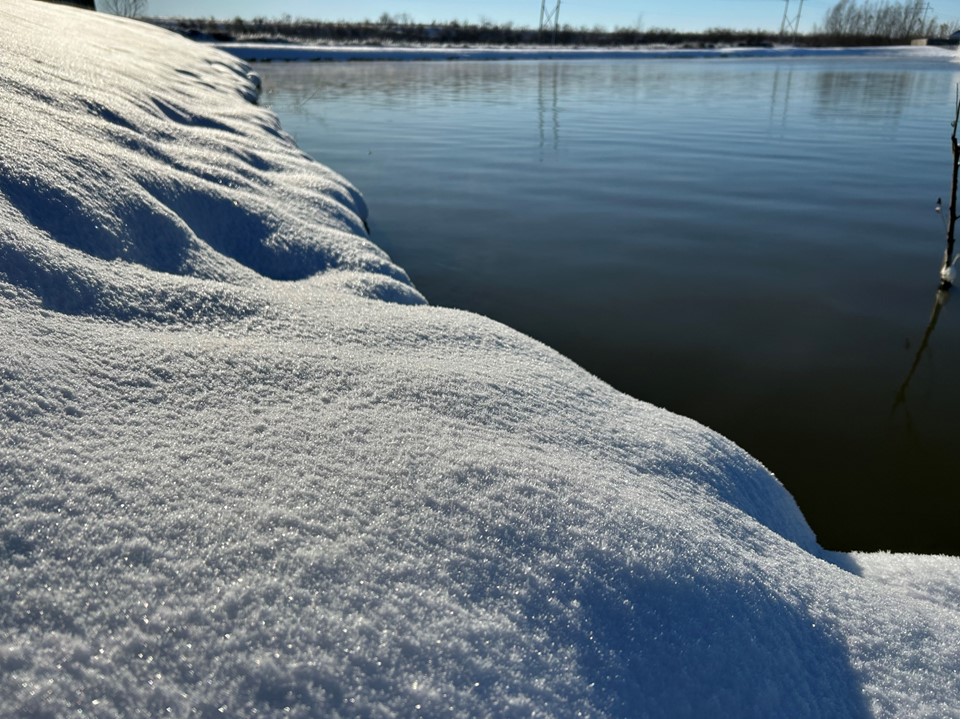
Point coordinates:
[[788, 25], [549, 16]]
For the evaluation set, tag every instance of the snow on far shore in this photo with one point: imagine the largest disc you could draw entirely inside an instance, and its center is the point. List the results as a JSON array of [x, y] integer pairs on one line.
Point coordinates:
[[245, 469], [267, 52]]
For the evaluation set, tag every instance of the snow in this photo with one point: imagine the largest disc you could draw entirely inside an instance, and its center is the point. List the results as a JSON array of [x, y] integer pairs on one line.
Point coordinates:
[[267, 52], [949, 274], [246, 470]]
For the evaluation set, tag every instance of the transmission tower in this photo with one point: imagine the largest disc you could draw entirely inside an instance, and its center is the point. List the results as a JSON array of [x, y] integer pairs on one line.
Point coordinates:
[[923, 19], [548, 17], [787, 24]]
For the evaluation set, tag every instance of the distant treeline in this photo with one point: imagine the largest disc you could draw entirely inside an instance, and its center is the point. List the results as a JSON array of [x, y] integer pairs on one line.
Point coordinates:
[[450, 33], [848, 22]]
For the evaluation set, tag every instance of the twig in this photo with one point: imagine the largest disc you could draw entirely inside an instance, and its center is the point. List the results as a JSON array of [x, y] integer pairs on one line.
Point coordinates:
[[953, 203]]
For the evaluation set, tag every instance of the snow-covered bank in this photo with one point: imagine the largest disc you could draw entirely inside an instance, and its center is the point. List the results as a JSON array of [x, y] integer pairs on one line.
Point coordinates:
[[265, 52], [235, 478]]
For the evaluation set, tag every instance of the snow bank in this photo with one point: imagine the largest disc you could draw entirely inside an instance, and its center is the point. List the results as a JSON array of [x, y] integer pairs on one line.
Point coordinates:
[[265, 52], [245, 470]]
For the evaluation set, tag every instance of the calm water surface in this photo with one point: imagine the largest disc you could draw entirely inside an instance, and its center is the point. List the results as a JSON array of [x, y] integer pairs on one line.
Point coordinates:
[[749, 242]]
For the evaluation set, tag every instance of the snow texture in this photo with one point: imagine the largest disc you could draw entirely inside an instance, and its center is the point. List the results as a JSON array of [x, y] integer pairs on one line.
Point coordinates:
[[245, 470]]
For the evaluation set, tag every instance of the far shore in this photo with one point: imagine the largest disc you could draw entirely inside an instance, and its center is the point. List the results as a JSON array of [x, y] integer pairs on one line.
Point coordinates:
[[284, 52]]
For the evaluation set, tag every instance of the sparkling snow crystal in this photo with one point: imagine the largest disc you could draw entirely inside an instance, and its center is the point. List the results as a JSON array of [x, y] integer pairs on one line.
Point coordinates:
[[246, 470]]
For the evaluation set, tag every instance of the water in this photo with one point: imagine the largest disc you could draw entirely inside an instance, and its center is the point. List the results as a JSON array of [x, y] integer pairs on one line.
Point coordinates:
[[748, 242]]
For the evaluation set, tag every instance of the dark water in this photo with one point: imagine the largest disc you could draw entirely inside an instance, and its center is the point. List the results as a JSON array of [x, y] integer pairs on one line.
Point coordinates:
[[749, 242]]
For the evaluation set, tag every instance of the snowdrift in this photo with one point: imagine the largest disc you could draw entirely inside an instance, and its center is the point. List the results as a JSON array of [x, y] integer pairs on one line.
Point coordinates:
[[246, 470]]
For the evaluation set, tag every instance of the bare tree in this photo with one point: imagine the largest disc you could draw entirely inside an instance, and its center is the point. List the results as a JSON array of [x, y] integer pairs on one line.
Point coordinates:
[[124, 8], [879, 19]]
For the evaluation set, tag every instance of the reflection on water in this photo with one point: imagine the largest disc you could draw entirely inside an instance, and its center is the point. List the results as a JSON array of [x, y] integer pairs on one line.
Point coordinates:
[[940, 300], [547, 94], [857, 95], [865, 96], [746, 242], [780, 95]]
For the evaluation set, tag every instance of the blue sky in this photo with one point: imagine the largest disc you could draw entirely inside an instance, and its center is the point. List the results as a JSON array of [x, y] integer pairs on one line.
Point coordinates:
[[680, 14]]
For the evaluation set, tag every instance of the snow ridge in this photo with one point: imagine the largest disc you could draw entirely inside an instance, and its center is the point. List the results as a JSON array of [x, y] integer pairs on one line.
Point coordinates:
[[245, 470]]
